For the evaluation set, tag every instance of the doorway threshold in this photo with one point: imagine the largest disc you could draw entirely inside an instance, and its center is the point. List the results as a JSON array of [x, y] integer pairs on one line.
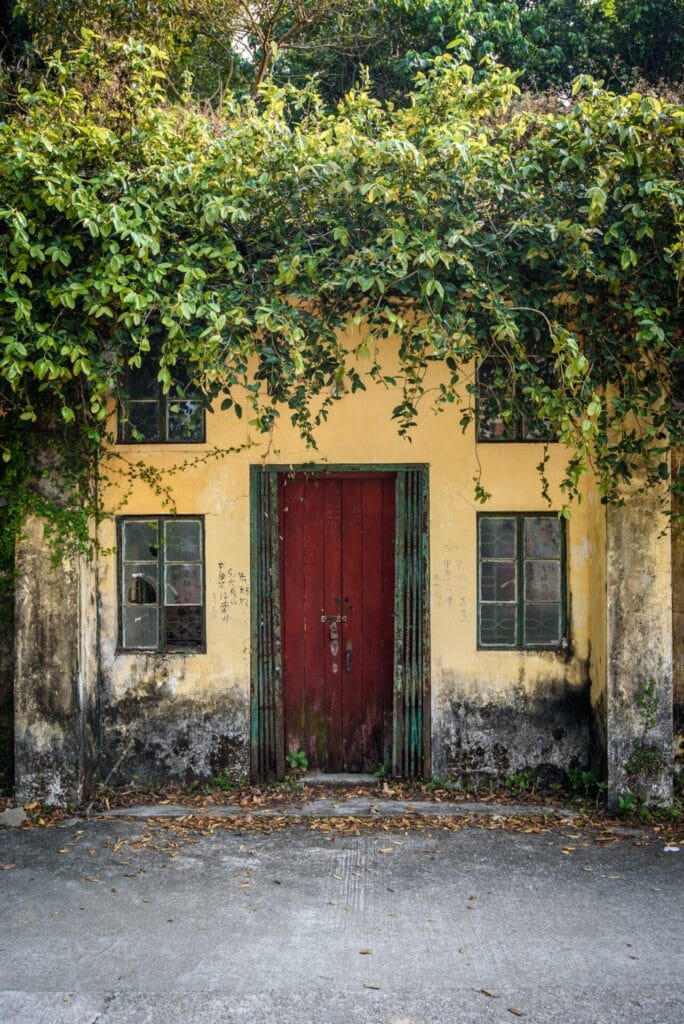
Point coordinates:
[[337, 779]]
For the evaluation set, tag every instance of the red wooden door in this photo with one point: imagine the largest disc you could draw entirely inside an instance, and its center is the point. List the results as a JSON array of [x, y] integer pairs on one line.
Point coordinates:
[[337, 570]]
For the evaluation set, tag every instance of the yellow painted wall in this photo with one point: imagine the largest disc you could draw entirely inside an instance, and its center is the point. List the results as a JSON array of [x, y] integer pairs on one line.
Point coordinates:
[[359, 430]]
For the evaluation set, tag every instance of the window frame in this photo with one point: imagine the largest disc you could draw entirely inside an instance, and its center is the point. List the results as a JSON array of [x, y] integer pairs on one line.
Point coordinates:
[[563, 644], [162, 647], [162, 402], [518, 422], [678, 385]]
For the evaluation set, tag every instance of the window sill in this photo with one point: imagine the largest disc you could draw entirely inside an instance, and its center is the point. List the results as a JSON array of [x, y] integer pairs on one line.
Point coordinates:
[[517, 440], [147, 651]]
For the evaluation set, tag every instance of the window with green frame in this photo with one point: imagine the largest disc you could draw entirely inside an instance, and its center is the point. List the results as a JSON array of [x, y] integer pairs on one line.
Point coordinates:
[[147, 415], [497, 390], [522, 590], [161, 583], [678, 384]]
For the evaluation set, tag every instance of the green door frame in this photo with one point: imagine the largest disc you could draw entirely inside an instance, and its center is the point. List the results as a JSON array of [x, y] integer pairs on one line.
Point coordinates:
[[411, 754]]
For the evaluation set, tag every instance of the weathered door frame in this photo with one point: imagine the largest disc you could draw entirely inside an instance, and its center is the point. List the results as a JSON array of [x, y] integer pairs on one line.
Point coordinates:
[[411, 755]]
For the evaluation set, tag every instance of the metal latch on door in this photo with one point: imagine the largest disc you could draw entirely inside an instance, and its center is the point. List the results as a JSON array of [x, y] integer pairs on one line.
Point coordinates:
[[334, 631]]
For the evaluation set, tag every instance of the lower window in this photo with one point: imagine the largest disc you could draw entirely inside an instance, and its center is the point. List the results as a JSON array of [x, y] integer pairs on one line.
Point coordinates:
[[161, 583], [521, 581]]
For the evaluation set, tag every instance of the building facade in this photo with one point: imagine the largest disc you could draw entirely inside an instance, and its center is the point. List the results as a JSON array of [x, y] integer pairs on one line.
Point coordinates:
[[353, 603]]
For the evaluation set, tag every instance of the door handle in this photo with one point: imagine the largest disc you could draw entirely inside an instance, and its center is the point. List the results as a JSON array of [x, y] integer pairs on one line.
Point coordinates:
[[348, 655]]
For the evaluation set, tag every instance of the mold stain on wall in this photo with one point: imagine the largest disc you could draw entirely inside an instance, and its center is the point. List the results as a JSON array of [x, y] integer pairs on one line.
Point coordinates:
[[487, 733]]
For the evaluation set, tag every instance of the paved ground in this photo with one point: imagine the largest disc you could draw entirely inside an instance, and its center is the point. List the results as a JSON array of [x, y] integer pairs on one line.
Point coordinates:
[[306, 927]]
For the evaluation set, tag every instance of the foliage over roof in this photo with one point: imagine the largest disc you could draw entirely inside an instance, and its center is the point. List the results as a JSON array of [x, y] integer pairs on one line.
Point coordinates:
[[464, 224]]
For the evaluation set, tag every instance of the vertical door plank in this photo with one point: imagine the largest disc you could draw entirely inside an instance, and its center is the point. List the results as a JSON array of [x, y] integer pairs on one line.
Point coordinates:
[[307, 608], [354, 557], [368, 552], [332, 605]]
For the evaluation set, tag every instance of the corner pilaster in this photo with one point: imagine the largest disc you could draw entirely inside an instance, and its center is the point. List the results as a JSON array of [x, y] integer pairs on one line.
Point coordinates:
[[55, 677], [638, 696]]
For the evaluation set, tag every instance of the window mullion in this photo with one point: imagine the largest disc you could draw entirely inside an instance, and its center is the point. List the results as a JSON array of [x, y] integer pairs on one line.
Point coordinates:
[[161, 413]]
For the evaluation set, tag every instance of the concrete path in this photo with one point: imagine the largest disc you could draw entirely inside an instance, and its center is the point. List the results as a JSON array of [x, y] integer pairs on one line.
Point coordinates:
[[356, 807], [99, 925]]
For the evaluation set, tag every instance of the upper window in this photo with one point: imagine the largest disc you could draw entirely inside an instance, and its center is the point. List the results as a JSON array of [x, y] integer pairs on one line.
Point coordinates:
[[147, 414], [504, 414], [161, 583], [521, 581]]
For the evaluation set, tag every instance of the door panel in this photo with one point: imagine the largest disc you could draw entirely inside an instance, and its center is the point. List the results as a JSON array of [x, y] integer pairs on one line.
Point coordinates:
[[337, 613]]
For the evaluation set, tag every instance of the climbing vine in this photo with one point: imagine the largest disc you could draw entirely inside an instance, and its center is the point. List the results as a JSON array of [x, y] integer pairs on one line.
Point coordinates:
[[468, 223]]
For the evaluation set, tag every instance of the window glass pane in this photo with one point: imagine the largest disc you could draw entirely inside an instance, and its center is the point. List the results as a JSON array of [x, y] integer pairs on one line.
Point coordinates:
[[534, 428], [182, 541], [140, 583], [184, 419], [678, 383], [140, 541], [140, 421], [183, 627], [497, 537], [142, 383], [497, 581], [497, 624], [140, 627], [183, 584], [542, 581], [494, 397], [183, 373], [537, 430], [542, 623], [542, 537]]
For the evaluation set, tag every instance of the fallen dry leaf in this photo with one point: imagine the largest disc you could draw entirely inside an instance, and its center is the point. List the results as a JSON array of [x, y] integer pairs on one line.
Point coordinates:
[[7, 867], [91, 878], [368, 985], [366, 952], [516, 1013], [486, 992]]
